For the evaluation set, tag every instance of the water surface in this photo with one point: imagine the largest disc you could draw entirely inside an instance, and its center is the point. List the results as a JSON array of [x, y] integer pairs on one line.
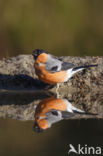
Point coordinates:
[[18, 138]]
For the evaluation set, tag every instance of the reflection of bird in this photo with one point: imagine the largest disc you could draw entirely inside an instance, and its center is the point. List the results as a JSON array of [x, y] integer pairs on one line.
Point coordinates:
[[52, 110], [52, 70], [72, 149]]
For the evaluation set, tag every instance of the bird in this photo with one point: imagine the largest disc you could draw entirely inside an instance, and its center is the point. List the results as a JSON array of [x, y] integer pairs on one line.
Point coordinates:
[[52, 110], [53, 70]]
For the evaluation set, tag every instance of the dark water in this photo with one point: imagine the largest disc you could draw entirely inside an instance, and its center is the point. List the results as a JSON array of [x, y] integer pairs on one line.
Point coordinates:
[[18, 138]]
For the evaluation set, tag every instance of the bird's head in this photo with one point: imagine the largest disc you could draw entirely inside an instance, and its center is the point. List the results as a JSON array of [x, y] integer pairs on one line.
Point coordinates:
[[37, 128], [38, 52], [41, 125]]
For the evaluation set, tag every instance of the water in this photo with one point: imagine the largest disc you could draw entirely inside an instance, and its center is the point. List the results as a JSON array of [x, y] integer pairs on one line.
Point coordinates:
[[19, 138]]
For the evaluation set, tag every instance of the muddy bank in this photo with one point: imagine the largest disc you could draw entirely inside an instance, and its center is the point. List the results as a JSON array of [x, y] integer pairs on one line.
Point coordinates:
[[22, 105], [18, 80]]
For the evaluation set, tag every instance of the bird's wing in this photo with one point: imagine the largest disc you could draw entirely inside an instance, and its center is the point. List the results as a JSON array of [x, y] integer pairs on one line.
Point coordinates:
[[64, 114], [66, 66], [67, 115], [53, 112], [53, 65]]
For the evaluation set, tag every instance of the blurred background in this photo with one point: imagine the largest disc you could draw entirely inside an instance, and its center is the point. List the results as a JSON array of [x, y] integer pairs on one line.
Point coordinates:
[[67, 27]]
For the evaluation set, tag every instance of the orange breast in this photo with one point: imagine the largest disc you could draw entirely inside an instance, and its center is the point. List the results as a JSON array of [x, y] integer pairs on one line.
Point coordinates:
[[47, 77], [49, 104], [46, 106], [42, 58], [42, 123]]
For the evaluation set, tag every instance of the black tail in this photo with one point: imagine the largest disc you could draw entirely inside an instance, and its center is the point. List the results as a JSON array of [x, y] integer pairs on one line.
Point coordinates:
[[84, 67]]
